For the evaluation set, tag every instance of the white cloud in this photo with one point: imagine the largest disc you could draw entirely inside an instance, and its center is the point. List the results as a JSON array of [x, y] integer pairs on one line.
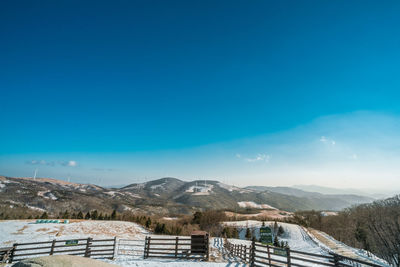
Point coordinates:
[[259, 157], [326, 140], [238, 155], [72, 163]]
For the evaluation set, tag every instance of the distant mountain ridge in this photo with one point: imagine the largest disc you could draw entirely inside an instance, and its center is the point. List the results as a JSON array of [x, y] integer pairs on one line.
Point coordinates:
[[165, 195]]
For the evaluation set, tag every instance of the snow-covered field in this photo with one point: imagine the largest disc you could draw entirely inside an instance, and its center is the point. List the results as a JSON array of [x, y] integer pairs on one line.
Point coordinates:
[[301, 239], [20, 231], [298, 238]]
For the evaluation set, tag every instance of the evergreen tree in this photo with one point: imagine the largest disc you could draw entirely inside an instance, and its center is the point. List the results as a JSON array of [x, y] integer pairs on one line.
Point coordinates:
[[44, 216], [263, 223], [87, 216], [148, 223], [248, 234], [100, 216], [66, 215], [94, 215], [276, 241], [114, 215], [281, 231], [80, 215]]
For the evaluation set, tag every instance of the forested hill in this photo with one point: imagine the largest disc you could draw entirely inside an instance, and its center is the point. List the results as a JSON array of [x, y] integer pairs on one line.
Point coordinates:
[[166, 195]]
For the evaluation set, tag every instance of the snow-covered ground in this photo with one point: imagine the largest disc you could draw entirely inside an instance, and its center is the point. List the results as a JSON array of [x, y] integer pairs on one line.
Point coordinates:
[[251, 204], [294, 234], [298, 238], [20, 231], [301, 239]]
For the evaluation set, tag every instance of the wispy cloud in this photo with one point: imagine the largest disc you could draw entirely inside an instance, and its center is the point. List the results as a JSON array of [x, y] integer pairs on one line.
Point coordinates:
[[69, 163], [259, 157], [326, 140]]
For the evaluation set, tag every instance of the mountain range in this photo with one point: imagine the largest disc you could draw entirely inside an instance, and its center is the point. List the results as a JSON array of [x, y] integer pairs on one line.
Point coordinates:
[[164, 196]]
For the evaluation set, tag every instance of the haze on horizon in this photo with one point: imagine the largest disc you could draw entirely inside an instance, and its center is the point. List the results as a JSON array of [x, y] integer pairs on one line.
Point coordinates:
[[275, 93]]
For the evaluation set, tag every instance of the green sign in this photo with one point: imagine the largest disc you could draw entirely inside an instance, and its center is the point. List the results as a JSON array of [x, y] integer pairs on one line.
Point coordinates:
[[71, 242], [266, 235], [279, 252]]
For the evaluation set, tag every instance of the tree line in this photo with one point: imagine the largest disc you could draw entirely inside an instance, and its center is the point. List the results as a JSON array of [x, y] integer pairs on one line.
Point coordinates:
[[374, 227]]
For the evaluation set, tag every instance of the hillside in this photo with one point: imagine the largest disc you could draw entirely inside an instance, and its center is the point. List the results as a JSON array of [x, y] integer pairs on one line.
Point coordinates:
[[166, 195]]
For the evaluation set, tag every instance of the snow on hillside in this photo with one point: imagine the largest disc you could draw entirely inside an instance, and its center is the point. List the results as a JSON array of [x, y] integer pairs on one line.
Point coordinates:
[[251, 204], [231, 188], [200, 190]]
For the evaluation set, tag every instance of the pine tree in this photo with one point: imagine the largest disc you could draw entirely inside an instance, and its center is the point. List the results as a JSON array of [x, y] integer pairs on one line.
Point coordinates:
[[114, 215], [248, 234], [281, 231], [276, 241], [66, 215], [44, 216], [148, 223], [80, 215], [263, 223], [87, 216], [94, 215], [100, 216]]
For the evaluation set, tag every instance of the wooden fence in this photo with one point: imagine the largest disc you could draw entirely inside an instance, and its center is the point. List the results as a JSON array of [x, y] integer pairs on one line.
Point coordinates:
[[5, 254], [178, 247], [93, 248], [237, 250], [264, 255]]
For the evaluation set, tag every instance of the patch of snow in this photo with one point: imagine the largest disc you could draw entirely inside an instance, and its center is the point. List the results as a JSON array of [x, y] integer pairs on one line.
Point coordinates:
[[169, 218], [47, 195], [35, 208], [200, 190], [2, 185], [251, 204], [111, 193], [158, 186], [132, 195], [232, 188]]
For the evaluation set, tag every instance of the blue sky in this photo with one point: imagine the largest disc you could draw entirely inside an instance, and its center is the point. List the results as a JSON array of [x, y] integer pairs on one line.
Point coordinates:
[[249, 93]]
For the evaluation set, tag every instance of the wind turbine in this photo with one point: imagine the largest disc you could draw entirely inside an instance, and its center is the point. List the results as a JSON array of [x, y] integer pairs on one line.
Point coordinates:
[[34, 176]]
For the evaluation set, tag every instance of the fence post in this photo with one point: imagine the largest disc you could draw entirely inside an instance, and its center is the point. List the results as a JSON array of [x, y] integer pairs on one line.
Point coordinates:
[[176, 247], [148, 246], [87, 250], [252, 252], [288, 257], [336, 259], [208, 248], [269, 255], [52, 247], [13, 252], [115, 247], [145, 248]]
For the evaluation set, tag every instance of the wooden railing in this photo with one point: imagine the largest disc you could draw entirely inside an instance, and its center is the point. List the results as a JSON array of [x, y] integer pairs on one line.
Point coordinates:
[[238, 250], [93, 248], [265, 255], [5, 254], [178, 247]]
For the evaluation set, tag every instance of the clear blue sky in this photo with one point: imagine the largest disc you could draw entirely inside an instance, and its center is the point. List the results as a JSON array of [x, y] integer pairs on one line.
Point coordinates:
[[129, 89]]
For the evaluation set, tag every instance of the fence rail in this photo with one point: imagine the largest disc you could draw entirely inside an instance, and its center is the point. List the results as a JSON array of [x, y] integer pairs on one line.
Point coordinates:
[[178, 247], [88, 247], [265, 255]]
